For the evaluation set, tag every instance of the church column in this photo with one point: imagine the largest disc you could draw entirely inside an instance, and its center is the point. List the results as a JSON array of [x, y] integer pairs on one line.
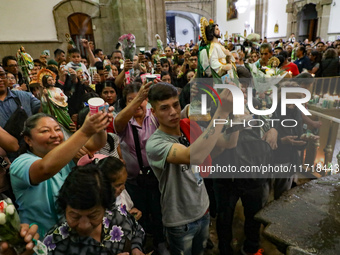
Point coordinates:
[[156, 22], [144, 19], [259, 17], [291, 19], [324, 11]]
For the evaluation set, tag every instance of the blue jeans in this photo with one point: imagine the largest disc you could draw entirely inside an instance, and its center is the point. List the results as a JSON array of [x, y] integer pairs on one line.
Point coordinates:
[[189, 239]]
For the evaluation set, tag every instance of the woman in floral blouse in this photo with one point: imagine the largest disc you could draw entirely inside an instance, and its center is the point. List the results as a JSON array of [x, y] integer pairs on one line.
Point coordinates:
[[92, 225]]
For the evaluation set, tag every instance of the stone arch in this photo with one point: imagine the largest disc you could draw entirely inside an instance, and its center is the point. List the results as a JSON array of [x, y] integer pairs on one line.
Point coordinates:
[[204, 8], [65, 8], [305, 18], [322, 7]]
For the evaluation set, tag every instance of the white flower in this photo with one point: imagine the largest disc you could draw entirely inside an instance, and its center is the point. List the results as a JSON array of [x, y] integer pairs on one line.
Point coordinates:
[[2, 218], [10, 209], [267, 75], [271, 72]]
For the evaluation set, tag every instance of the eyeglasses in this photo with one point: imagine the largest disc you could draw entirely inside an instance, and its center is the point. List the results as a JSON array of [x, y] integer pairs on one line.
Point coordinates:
[[3, 75], [13, 65]]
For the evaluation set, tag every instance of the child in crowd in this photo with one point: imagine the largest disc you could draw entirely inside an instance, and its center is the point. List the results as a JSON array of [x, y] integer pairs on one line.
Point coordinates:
[[114, 170], [76, 63]]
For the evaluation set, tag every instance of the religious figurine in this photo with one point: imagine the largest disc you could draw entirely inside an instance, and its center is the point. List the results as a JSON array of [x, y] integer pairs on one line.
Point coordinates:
[[212, 55], [54, 101], [25, 62], [214, 61], [159, 44], [273, 62]]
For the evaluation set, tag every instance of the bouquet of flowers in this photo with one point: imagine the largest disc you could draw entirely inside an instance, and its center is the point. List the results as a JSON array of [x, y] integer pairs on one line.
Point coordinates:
[[266, 77], [10, 226], [128, 45]]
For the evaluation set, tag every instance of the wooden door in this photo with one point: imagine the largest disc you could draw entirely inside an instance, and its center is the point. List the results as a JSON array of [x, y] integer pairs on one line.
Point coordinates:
[[80, 26], [312, 29]]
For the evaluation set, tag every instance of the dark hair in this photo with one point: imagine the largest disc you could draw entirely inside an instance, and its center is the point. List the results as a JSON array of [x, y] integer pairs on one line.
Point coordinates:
[[284, 54], [317, 55], [53, 69], [83, 56], [186, 75], [81, 116], [245, 76], [5, 60], [161, 91], [266, 46], [58, 52], [84, 188], [194, 53], [153, 50], [37, 61], [74, 50], [210, 32], [116, 51], [303, 49], [131, 88], [44, 81], [99, 65], [164, 61], [164, 73], [96, 51], [110, 167], [106, 84], [320, 43], [281, 59], [90, 94], [32, 121], [148, 55], [29, 124]]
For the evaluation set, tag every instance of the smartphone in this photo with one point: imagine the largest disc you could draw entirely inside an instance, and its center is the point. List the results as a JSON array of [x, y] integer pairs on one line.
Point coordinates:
[[108, 68]]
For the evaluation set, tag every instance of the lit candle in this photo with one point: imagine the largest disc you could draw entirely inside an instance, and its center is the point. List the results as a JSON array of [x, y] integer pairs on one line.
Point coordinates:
[[313, 75]]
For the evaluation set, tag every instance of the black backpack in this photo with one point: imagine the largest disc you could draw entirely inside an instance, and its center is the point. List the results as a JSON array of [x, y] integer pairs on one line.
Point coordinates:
[[15, 123]]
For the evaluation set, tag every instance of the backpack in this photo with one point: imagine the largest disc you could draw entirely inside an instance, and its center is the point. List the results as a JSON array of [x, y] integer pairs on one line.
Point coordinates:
[[15, 123]]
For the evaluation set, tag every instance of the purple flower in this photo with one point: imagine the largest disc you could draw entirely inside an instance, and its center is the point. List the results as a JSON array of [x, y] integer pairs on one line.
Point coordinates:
[[122, 210], [116, 234], [48, 242], [63, 230], [106, 222], [109, 212]]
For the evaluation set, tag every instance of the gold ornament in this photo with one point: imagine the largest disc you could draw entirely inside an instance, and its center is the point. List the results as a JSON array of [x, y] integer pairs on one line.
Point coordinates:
[[204, 23]]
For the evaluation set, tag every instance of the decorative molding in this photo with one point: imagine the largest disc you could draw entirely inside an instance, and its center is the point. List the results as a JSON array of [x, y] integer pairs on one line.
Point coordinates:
[[201, 7]]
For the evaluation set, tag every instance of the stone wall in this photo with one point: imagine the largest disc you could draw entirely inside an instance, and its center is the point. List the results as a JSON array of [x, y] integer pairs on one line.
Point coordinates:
[[110, 19], [205, 8], [323, 8]]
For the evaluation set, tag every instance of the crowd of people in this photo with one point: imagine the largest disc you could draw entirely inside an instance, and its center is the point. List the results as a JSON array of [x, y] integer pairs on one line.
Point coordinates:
[[97, 183]]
